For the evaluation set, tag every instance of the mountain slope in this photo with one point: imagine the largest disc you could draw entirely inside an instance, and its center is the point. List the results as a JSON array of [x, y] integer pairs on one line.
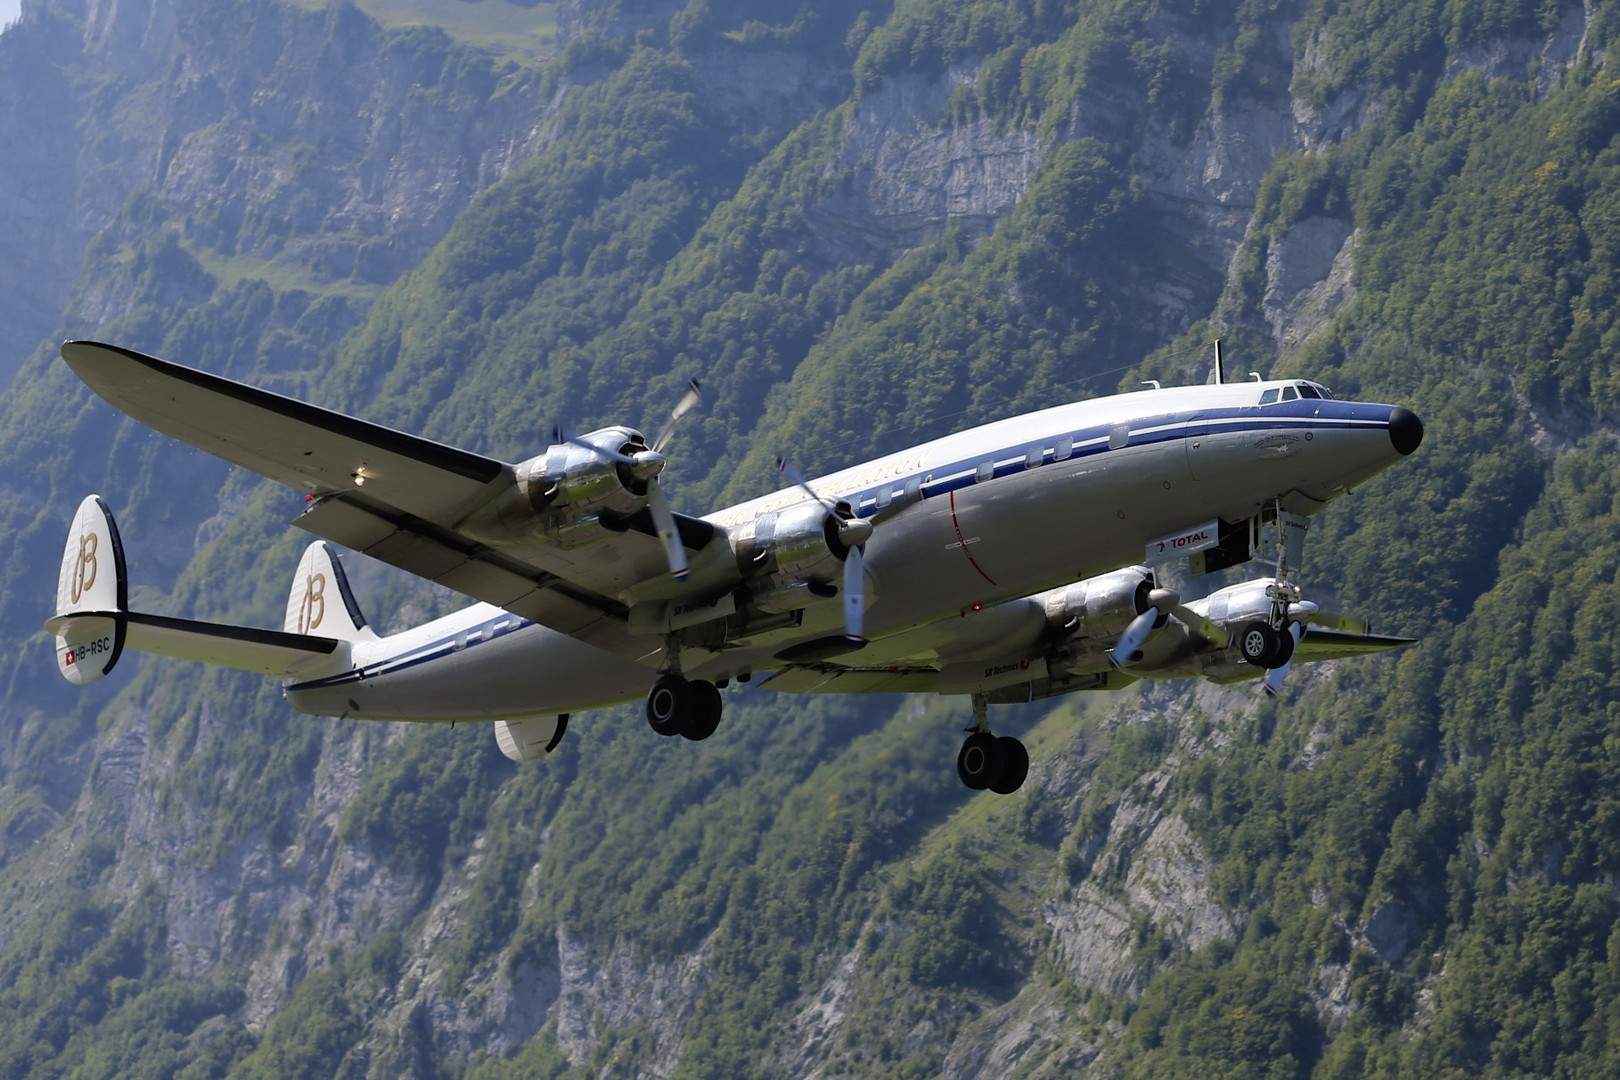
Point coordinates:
[[861, 226]]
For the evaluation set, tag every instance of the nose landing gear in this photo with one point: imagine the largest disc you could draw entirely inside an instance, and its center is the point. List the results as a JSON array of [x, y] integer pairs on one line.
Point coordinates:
[[988, 762], [1264, 645], [1269, 643]]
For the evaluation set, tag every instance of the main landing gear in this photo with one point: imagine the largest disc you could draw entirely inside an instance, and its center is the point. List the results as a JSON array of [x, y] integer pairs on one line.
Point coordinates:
[[986, 761], [686, 707]]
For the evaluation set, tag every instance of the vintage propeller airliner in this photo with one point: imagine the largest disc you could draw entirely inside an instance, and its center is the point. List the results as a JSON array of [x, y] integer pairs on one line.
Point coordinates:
[[921, 571]]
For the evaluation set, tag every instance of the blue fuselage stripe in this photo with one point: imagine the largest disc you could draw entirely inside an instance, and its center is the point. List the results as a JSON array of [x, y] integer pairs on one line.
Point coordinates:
[[1008, 461]]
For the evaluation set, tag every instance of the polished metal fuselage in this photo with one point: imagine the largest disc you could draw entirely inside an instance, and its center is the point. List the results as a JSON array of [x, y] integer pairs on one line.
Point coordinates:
[[964, 524]]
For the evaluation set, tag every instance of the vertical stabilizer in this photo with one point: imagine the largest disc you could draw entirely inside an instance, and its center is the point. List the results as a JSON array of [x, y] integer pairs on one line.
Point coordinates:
[[321, 602], [91, 581]]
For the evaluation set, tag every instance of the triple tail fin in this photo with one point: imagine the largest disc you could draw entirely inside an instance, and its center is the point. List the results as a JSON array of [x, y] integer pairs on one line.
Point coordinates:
[[93, 623], [321, 601], [92, 593]]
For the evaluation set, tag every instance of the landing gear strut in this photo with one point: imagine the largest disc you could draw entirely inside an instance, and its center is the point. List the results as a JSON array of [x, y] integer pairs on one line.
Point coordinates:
[[1269, 643], [686, 707], [986, 761]]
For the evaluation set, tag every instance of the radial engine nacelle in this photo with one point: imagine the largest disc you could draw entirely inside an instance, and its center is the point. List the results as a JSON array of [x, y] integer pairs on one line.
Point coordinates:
[[1099, 608], [578, 481], [1202, 636], [793, 558]]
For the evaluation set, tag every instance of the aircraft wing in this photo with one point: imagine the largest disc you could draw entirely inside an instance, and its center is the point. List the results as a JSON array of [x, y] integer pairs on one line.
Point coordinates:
[[394, 496], [832, 679], [1328, 644], [303, 446]]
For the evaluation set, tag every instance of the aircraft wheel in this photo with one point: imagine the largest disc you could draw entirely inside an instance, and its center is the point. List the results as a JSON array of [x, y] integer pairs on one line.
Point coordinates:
[[1014, 766], [1264, 646], [979, 761], [704, 715], [1254, 643], [1285, 648], [669, 703], [1258, 644]]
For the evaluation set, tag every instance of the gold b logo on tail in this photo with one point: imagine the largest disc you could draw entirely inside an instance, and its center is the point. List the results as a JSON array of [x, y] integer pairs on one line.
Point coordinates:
[[84, 573], [314, 607]]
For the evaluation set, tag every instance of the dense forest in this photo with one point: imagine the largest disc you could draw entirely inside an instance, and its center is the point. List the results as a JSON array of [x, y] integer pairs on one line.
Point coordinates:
[[861, 224]]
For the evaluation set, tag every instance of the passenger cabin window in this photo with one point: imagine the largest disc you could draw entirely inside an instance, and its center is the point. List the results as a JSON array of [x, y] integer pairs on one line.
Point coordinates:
[[1033, 458], [1119, 437], [884, 497], [1290, 394], [1269, 397], [987, 469], [1065, 447]]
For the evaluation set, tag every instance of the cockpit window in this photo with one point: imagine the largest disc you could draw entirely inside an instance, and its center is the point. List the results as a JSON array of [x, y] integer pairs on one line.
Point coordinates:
[[1289, 393], [1269, 397], [1306, 390]]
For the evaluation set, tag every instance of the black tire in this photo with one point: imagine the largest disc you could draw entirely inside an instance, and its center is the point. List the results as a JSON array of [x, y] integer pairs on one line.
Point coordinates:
[[704, 715], [1256, 642], [1014, 766], [979, 761], [1285, 649], [669, 703], [1265, 646]]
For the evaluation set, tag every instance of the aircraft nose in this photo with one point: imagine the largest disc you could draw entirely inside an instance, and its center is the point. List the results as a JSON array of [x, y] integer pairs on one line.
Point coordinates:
[[1405, 430]]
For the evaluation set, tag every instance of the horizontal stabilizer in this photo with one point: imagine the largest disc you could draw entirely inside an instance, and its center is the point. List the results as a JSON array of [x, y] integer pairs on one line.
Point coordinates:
[[93, 623], [268, 652]]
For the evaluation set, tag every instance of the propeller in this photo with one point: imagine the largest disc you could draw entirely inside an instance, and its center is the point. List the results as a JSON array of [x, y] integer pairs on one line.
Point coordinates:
[[1126, 649], [1275, 677], [1162, 602], [646, 465], [853, 533]]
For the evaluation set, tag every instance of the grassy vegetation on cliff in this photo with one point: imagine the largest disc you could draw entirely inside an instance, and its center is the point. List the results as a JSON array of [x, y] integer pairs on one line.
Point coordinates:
[[1415, 857]]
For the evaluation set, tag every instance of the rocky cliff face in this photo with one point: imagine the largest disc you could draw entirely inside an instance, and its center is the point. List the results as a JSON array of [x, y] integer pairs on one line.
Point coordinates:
[[273, 138], [310, 147]]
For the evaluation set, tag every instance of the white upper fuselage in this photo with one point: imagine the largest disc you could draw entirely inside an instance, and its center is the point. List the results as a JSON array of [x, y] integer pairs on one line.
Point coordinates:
[[968, 521]]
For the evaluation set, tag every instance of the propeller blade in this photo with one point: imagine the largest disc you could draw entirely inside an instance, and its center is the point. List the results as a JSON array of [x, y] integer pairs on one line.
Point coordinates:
[[677, 414], [855, 596], [796, 477], [1211, 631], [1125, 649], [668, 534], [1275, 677]]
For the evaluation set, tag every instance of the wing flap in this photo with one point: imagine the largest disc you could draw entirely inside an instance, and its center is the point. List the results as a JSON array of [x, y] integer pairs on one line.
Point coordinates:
[[814, 680], [289, 441]]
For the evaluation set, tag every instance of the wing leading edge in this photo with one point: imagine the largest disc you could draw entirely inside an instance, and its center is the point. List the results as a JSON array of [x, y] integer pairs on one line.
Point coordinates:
[[394, 496]]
